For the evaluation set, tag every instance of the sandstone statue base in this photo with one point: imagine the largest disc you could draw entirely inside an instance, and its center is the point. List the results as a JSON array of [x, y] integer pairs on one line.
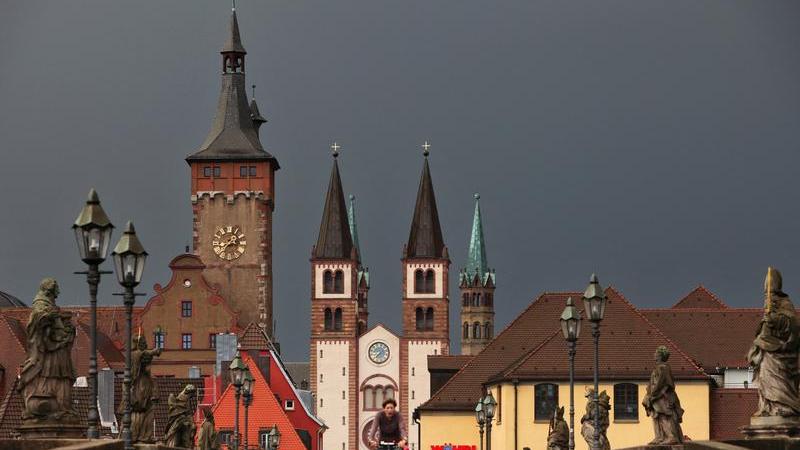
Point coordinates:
[[53, 430], [770, 427]]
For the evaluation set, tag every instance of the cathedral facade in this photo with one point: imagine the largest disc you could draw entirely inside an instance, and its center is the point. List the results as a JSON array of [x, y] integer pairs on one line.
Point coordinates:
[[355, 366]]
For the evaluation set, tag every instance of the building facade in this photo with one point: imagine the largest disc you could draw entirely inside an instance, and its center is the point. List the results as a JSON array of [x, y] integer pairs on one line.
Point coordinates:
[[353, 367]]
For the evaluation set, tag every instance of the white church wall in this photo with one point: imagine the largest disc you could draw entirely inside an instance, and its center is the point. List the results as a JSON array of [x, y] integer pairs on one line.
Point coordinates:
[[371, 373], [319, 273], [438, 287], [419, 381], [332, 405]]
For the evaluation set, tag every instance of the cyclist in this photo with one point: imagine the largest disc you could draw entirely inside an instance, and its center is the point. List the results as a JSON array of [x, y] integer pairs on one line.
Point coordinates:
[[388, 428]]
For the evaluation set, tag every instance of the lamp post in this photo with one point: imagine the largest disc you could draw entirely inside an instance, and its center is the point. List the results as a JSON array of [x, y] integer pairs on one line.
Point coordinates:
[[594, 303], [480, 416], [274, 438], [93, 235], [489, 405], [237, 369], [129, 257], [571, 329], [247, 392]]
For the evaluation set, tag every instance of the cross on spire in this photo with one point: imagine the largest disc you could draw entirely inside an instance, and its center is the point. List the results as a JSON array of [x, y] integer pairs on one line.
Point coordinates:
[[335, 147], [426, 148]]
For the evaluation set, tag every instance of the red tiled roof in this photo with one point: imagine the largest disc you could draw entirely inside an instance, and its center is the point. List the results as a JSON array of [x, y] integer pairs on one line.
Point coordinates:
[[527, 331], [447, 362], [716, 338], [627, 344], [254, 338], [700, 298], [731, 409], [264, 412]]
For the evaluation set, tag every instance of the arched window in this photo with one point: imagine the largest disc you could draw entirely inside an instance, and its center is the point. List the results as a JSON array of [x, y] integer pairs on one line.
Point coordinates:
[[338, 282], [388, 393], [328, 319], [476, 330], [327, 282], [369, 398], [430, 281], [466, 331], [337, 319], [626, 401], [419, 281], [477, 299], [379, 396], [487, 330], [429, 319], [545, 401], [489, 299], [420, 319], [465, 300]]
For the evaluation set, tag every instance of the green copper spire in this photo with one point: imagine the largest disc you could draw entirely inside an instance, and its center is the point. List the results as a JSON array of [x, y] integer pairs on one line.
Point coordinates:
[[476, 259], [351, 218]]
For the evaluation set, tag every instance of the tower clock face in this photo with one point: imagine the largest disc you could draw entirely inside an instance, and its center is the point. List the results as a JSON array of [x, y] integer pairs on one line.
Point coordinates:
[[229, 242], [379, 352]]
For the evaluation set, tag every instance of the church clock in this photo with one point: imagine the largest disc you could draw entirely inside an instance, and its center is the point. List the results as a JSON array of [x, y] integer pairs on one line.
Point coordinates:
[[379, 353], [229, 242]]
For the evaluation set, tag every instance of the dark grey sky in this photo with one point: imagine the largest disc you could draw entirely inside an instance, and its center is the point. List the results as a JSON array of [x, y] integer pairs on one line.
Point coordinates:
[[656, 143]]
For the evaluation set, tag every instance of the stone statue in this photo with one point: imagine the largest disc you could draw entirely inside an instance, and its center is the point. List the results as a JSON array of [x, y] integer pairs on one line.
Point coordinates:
[[180, 426], [662, 404], [587, 421], [143, 392], [208, 439], [47, 374], [774, 353], [558, 435]]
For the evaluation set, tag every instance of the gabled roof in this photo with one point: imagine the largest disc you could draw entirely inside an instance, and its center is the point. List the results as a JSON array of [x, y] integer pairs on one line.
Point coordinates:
[[731, 409], [447, 362], [700, 298], [524, 333], [254, 338], [425, 238], [621, 326], [716, 338], [264, 411], [334, 240]]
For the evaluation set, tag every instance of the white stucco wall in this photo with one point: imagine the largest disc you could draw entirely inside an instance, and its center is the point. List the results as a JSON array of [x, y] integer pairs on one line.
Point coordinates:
[[438, 270], [419, 382], [375, 374], [319, 271], [736, 378], [331, 407]]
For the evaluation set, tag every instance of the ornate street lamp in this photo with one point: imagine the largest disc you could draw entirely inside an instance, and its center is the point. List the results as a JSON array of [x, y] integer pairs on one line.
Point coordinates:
[[93, 235], [594, 303], [480, 417], [129, 257], [237, 369], [274, 438], [247, 392], [489, 405], [571, 329]]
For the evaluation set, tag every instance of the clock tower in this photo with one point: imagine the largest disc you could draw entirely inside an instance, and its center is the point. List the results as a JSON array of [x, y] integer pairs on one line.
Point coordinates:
[[233, 196]]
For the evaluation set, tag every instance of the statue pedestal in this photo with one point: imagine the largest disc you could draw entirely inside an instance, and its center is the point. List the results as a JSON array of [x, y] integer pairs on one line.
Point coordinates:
[[770, 427], [52, 430]]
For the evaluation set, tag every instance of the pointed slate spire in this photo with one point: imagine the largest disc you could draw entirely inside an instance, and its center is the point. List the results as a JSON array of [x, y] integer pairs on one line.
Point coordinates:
[[351, 218], [255, 114], [476, 258], [233, 43], [425, 239], [334, 241], [233, 134]]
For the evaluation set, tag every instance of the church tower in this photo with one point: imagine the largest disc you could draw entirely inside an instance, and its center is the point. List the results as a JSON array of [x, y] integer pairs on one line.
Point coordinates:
[[335, 316], [477, 283], [426, 324], [233, 196], [362, 280]]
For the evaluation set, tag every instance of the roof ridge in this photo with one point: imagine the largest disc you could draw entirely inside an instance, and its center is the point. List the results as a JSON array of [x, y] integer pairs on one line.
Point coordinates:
[[496, 337], [658, 330], [702, 288]]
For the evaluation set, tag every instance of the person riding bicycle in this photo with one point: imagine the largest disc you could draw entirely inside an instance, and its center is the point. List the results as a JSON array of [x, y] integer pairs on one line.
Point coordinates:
[[388, 426]]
